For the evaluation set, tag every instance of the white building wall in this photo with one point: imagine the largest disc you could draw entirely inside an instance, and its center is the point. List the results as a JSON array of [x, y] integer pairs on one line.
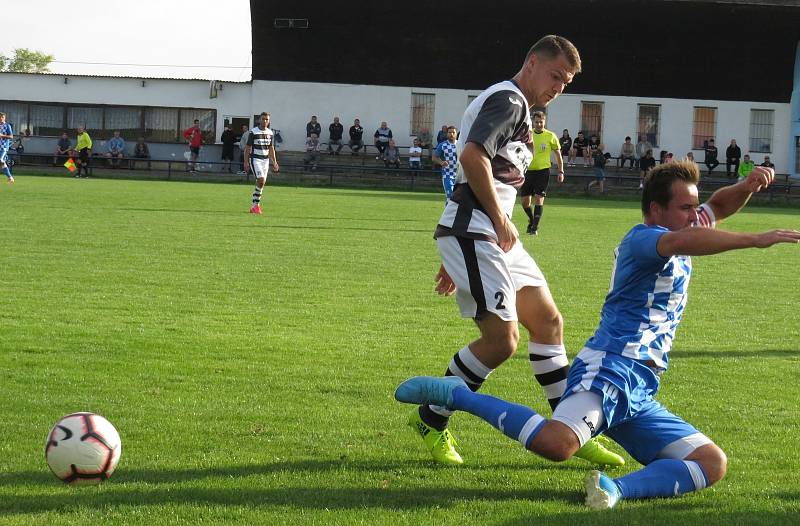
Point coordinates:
[[291, 105]]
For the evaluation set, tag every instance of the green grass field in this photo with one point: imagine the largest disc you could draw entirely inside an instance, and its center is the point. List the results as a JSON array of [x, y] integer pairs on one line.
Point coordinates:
[[249, 362]]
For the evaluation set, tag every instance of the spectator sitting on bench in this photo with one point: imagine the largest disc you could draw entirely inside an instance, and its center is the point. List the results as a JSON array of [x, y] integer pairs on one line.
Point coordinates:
[[391, 155], [141, 151], [767, 162], [62, 148], [382, 136], [312, 152], [116, 149], [627, 153]]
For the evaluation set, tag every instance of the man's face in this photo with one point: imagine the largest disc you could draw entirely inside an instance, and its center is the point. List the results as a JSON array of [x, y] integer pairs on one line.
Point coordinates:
[[336, 120], [628, 140], [116, 135], [314, 119], [565, 133], [681, 211], [197, 124], [264, 121], [452, 134], [384, 125], [244, 127], [766, 158], [2, 119], [548, 79], [733, 142], [580, 135], [357, 122], [746, 157], [538, 124], [80, 131], [63, 135]]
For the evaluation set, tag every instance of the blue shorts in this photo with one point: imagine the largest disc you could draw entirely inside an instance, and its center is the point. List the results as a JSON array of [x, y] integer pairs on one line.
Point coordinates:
[[3, 155], [448, 182], [633, 418]]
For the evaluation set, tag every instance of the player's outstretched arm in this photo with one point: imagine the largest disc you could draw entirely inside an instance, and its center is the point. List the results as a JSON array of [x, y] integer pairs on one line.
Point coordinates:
[[697, 241], [728, 200], [478, 170]]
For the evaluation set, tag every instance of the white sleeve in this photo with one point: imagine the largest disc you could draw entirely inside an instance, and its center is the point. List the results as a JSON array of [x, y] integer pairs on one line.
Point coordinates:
[[705, 216]]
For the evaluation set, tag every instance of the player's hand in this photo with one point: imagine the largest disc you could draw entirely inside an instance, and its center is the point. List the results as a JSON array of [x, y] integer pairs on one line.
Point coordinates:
[[772, 237], [507, 234], [560, 178], [444, 283], [759, 178], [445, 164], [276, 166]]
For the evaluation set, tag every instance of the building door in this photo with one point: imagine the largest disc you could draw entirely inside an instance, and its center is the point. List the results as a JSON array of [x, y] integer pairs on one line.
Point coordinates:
[[235, 124]]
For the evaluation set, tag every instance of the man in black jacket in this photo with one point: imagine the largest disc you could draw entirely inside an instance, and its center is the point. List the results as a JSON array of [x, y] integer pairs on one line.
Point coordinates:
[[711, 156], [313, 127], [356, 134], [732, 155], [336, 130]]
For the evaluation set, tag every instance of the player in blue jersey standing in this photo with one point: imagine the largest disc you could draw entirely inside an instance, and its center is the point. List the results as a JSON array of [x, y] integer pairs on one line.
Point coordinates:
[[446, 157], [613, 381], [6, 136]]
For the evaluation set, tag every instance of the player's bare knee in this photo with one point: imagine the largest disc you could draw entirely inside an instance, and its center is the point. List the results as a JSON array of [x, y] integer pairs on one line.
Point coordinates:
[[713, 461], [555, 441]]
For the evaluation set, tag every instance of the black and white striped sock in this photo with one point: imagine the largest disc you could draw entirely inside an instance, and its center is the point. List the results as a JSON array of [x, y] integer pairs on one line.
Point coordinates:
[[465, 365], [550, 367], [257, 195]]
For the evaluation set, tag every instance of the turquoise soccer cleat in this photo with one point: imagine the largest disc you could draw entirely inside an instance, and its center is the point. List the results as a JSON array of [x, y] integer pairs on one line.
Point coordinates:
[[602, 492], [429, 390]]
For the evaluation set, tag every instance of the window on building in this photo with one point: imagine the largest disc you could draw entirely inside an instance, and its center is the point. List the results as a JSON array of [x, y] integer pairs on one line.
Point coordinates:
[[47, 120], [90, 118], [649, 124], [207, 120], [761, 124], [16, 115], [422, 108], [127, 120], [161, 124], [704, 126], [592, 119]]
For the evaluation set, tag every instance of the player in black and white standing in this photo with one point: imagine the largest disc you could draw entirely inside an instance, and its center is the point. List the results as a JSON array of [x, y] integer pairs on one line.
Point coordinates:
[[259, 151]]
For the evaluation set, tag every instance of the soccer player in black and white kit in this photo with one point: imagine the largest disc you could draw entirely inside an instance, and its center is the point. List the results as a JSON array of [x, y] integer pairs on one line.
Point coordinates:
[[495, 280], [259, 151]]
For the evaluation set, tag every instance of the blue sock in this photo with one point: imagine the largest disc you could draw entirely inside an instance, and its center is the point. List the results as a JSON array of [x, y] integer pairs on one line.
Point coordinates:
[[7, 171], [663, 478], [516, 421]]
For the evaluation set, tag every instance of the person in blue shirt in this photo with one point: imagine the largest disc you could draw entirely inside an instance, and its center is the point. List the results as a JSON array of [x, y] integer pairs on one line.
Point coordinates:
[[116, 150], [6, 136], [446, 157], [612, 383]]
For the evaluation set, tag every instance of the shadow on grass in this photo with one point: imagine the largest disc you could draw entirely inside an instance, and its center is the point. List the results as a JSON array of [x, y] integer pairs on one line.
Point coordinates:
[[662, 512], [136, 487]]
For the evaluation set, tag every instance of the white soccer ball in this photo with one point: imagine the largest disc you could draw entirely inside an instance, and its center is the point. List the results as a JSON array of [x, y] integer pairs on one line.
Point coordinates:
[[83, 448]]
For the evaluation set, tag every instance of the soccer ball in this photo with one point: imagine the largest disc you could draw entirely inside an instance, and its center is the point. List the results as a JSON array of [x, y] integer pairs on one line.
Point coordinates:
[[83, 448]]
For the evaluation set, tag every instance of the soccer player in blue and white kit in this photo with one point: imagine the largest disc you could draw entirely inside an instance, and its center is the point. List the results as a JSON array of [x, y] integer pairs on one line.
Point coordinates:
[[6, 136], [614, 379], [446, 156]]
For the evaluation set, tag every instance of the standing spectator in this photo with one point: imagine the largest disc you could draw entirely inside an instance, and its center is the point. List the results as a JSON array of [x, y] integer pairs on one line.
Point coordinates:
[[6, 138], [732, 155], [382, 136], [646, 162], [356, 137], [194, 136], [27, 132], [627, 153], [335, 130], [415, 156], [579, 148], [711, 156], [446, 157], [312, 153], [566, 144], [600, 161], [141, 151], [83, 145], [391, 155], [537, 178], [313, 127], [228, 139], [243, 146], [115, 150], [642, 146], [442, 135], [767, 162], [62, 149], [746, 167]]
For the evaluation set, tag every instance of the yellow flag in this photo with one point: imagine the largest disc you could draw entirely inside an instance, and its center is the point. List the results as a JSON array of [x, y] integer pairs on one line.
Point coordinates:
[[70, 165]]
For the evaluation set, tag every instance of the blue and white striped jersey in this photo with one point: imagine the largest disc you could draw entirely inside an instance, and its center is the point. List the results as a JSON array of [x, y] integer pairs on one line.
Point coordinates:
[[5, 129], [647, 296]]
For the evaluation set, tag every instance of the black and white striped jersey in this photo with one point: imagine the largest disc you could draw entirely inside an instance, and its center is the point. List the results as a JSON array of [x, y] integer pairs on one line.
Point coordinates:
[[259, 142], [498, 120]]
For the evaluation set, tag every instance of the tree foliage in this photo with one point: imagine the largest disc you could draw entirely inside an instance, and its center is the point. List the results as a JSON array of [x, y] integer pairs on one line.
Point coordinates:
[[26, 61]]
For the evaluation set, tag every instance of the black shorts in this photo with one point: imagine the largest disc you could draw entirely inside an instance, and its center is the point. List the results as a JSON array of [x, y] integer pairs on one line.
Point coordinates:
[[536, 182], [227, 153], [83, 155], [194, 150]]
